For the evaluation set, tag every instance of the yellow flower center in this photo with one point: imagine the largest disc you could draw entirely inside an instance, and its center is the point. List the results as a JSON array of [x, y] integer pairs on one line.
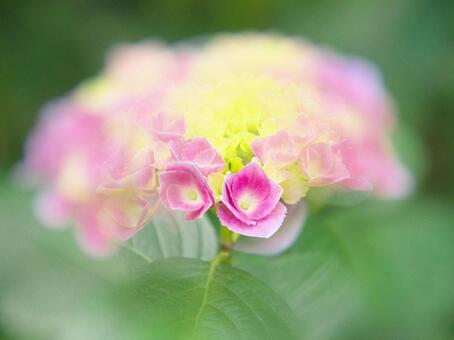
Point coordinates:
[[231, 112], [192, 195], [245, 204]]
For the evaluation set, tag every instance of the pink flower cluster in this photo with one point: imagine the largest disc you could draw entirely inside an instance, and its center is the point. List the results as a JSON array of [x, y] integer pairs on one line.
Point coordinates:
[[116, 148]]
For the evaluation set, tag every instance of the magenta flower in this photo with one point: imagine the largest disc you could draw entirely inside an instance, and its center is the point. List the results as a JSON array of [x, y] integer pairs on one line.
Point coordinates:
[[199, 151], [183, 187], [250, 203]]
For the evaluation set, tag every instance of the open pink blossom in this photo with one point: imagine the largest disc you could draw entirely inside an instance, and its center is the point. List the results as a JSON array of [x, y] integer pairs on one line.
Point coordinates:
[[322, 164], [250, 203], [183, 187], [199, 151]]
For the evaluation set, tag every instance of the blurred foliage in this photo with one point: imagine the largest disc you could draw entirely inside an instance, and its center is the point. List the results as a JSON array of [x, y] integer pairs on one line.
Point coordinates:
[[170, 235], [372, 271], [384, 273], [181, 298]]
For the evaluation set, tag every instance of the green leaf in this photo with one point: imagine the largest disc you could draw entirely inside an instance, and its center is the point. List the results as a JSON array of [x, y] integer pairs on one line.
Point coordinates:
[[377, 271], [168, 234], [312, 276], [191, 299]]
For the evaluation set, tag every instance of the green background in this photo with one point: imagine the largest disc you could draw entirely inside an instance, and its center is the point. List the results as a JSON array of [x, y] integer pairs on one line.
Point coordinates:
[[373, 271]]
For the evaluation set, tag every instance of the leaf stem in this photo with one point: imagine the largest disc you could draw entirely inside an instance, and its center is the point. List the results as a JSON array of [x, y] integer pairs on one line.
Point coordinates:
[[136, 252], [221, 257]]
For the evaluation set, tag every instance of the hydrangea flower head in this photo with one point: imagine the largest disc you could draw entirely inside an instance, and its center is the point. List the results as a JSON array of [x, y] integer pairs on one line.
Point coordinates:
[[243, 125]]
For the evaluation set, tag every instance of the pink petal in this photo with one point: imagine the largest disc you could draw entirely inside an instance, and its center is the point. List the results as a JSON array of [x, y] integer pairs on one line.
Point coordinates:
[[322, 164], [252, 179], [265, 227], [280, 149], [188, 150], [193, 215], [227, 199], [267, 205], [199, 151], [166, 128], [93, 240], [177, 201], [282, 239], [170, 177], [358, 83], [179, 177]]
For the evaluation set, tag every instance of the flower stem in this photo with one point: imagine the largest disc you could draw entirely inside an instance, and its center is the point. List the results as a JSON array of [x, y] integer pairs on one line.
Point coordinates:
[[228, 239]]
